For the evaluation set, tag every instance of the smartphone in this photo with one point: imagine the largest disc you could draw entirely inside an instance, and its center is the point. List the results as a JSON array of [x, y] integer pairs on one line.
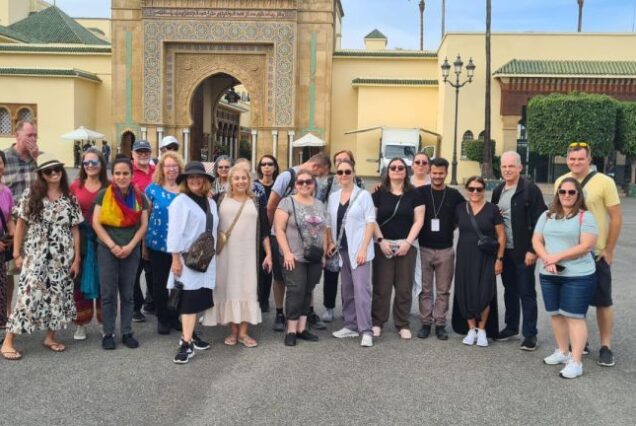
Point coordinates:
[[560, 268]]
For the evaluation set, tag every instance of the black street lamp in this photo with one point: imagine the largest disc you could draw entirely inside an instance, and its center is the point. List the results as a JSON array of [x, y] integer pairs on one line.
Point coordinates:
[[458, 65]]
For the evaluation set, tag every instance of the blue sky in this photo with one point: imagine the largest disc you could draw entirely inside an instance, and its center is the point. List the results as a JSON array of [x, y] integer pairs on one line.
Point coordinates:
[[399, 19]]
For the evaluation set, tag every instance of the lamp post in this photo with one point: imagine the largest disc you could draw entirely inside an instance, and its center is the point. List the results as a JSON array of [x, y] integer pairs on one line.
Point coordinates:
[[458, 65]]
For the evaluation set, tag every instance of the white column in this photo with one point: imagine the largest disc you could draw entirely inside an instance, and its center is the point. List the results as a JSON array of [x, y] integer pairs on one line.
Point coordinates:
[[159, 136], [290, 148], [186, 144], [254, 159], [144, 133], [275, 143]]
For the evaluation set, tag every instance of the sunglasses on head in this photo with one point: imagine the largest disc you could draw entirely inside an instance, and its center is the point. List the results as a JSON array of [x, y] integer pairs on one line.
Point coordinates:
[[420, 162], [303, 182], [344, 172], [90, 163], [575, 145], [49, 172], [475, 189], [397, 168], [267, 163], [567, 191]]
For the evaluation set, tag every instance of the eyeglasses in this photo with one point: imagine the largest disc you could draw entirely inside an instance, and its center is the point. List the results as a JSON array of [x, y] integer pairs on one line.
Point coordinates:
[[303, 182], [267, 163], [142, 152], [575, 145], [397, 168], [90, 163], [475, 189], [223, 167], [344, 172], [420, 162], [567, 191], [171, 167], [49, 172]]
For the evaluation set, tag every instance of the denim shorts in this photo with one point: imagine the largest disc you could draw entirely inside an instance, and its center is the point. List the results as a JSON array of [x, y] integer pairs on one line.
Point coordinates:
[[567, 296]]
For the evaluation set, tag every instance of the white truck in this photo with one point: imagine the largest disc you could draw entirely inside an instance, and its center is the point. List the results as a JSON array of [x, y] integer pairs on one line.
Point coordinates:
[[399, 142]]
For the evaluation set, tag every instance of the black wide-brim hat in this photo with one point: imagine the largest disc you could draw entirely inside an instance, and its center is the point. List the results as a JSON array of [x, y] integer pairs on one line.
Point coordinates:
[[48, 162], [194, 168]]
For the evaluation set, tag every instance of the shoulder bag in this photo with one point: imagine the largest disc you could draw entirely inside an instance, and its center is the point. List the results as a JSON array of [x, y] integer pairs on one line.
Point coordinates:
[[202, 251], [224, 236], [312, 254], [485, 243], [176, 294], [6, 238], [395, 210]]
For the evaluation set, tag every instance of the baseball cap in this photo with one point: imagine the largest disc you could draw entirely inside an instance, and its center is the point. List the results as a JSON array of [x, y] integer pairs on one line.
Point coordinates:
[[168, 140], [141, 144]]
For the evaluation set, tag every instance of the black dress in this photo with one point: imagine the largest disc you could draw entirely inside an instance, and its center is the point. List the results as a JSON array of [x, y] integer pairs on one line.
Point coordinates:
[[475, 278]]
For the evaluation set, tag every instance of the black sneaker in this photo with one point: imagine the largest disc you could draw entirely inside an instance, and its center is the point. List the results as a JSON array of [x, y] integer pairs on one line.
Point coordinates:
[[129, 341], [163, 328], [506, 334], [306, 335], [138, 317], [290, 339], [108, 342], [606, 357], [314, 321], [424, 332], [279, 322], [186, 351], [441, 333], [529, 344], [148, 308], [199, 344], [586, 349]]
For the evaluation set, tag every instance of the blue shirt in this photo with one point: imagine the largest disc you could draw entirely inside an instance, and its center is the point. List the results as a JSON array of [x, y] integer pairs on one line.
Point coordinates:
[[157, 233], [563, 234]]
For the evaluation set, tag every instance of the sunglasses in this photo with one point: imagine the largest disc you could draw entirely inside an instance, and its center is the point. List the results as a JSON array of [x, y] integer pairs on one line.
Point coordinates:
[[303, 182], [90, 163], [267, 163], [49, 172], [397, 168], [475, 189], [567, 191], [420, 162], [344, 172], [171, 148]]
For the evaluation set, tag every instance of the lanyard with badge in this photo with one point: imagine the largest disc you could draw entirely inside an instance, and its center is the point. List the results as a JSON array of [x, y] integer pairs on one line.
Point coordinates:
[[435, 224]]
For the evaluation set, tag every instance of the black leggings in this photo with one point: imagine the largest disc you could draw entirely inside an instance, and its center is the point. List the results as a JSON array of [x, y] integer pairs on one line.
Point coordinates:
[[160, 263], [330, 288]]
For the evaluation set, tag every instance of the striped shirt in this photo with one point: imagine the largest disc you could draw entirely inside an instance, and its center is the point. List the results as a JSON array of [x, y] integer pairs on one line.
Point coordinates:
[[18, 174]]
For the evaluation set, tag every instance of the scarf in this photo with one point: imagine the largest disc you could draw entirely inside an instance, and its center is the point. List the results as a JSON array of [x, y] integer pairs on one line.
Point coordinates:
[[121, 211]]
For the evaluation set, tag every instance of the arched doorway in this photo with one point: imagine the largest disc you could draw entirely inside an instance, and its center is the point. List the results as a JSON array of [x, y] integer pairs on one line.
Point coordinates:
[[126, 142]]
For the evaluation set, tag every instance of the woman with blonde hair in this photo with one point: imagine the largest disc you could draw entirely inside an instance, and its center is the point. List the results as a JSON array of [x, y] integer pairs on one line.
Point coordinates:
[[243, 220]]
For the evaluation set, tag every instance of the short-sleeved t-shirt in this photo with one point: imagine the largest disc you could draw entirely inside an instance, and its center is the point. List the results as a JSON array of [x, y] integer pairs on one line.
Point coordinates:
[[399, 227], [142, 179], [121, 236], [281, 184], [563, 234], [439, 204], [505, 205], [157, 234], [86, 200], [6, 205], [600, 193], [313, 222]]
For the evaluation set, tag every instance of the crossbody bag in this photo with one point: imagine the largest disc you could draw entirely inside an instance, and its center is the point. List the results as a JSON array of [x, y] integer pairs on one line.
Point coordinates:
[[311, 253], [485, 243]]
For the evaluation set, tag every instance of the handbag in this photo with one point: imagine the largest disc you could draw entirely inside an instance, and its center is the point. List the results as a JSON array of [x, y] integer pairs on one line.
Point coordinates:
[[485, 243], [175, 296], [202, 251], [312, 254], [224, 236], [6, 239], [333, 261]]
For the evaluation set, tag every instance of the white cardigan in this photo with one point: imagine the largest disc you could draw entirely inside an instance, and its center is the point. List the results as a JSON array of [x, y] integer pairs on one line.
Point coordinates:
[[186, 221], [361, 213]]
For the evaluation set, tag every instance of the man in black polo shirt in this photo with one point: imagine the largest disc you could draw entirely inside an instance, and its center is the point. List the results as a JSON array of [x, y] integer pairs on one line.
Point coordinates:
[[436, 249]]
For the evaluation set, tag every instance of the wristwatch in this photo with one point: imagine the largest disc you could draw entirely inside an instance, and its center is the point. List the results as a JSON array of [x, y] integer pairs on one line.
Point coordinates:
[[500, 258]]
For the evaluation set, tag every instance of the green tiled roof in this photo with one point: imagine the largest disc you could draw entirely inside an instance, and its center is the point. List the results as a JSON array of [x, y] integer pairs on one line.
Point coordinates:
[[394, 82], [51, 25], [385, 53], [568, 68], [43, 48], [50, 72], [375, 34], [8, 32]]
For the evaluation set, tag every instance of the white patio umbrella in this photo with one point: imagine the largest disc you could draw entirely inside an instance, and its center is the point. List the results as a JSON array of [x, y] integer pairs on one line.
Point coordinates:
[[83, 134]]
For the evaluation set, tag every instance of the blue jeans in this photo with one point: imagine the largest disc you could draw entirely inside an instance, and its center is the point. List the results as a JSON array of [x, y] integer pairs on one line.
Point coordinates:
[[519, 295], [567, 296]]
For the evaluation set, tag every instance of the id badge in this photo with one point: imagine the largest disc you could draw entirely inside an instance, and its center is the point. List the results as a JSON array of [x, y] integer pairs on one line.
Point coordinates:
[[435, 225]]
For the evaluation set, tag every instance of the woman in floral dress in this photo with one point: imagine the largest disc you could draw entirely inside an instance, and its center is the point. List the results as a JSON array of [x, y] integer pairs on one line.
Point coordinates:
[[46, 247]]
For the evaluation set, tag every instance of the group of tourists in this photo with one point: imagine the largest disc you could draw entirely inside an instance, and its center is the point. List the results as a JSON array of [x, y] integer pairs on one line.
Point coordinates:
[[213, 245]]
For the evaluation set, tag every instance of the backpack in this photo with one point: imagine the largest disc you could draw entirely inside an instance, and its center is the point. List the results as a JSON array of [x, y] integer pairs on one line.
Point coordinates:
[[292, 181]]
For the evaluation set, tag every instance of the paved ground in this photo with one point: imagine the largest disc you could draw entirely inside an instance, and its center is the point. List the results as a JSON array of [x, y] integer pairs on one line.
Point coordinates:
[[329, 382]]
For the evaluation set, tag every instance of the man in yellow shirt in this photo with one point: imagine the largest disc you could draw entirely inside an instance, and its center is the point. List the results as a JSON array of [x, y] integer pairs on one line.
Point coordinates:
[[601, 198]]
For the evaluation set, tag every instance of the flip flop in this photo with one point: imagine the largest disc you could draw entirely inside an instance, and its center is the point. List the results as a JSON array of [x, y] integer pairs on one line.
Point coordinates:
[[11, 355], [54, 347], [230, 340], [248, 342]]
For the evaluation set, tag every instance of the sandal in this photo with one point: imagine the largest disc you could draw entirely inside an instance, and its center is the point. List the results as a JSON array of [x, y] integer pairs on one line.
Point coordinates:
[[248, 341], [54, 346], [230, 340], [11, 355]]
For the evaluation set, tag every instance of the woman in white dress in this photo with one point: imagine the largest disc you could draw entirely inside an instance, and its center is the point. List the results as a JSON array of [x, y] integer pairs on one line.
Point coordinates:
[[244, 221]]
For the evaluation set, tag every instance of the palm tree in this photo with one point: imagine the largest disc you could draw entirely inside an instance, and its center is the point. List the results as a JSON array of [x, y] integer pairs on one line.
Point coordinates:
[[486, 166], [580, 2], [422, 7]]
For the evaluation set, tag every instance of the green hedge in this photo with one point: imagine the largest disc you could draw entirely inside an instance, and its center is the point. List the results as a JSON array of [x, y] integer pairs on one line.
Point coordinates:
[[556, 120], [474, 149], [626, 128]]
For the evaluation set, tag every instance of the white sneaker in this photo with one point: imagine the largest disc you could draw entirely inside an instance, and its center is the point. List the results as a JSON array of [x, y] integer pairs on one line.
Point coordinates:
[[367, 340], [328, 316], [470, 338], [344, 332], [572, 370], [482, 339], [556, 358], [80, 333]]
